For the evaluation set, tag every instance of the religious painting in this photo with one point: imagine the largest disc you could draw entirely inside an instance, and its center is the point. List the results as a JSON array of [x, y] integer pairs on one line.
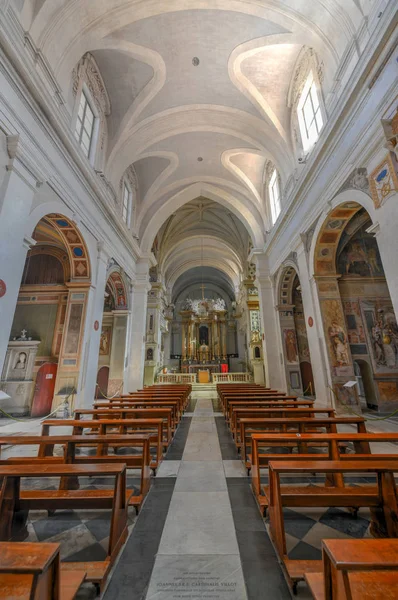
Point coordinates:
[[384, 180], [336, 334], [382, 335], [360, 256], [105, 341], [302, 340], [291, 352], [73, 333]]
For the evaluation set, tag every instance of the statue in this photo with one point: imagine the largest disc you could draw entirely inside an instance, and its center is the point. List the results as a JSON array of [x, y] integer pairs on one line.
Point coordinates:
[[21, 362]]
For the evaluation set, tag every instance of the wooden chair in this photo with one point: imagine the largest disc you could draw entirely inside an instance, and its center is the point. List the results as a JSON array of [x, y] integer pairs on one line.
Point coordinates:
[[33, 571]]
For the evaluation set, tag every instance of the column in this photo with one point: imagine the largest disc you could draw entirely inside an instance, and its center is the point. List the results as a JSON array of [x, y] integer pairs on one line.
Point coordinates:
[[136, 359], [17, 192], [92, 333], [271, 343], [313, 326], [388, 247]]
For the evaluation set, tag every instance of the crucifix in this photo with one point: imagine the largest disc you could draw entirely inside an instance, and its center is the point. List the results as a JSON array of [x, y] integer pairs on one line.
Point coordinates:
[[202, 287]]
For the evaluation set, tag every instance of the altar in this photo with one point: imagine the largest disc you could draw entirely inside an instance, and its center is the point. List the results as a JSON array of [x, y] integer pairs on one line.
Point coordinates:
[[195, 368]]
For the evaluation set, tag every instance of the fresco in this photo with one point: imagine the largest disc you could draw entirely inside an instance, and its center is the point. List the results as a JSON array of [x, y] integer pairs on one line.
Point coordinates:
[[336, 334], [289, 336], [360, 256], [382, 335]]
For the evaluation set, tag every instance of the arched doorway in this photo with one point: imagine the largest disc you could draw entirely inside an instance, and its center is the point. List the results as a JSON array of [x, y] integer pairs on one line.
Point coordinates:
[[359, 321], [112, 351], [50, 314], [296, 349]]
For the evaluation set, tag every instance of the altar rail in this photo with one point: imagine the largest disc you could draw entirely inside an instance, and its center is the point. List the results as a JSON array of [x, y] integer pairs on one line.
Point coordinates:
[[177, 378], [231, 377]]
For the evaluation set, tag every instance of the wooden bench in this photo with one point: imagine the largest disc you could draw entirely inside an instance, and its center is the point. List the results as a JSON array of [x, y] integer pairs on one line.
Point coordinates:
[[248, 397], [121, 411], [181, 400], [272, 403], [113, 426], [291, 425], [365, 569], [33, 571], [116, 499], [101, 442], [335, 445], [381, 498], [278, 412]]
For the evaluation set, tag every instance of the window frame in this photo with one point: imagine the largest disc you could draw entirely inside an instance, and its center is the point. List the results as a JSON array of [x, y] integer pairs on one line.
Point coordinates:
[[85, 93], [274, 194], [127, 210], [310, 126]]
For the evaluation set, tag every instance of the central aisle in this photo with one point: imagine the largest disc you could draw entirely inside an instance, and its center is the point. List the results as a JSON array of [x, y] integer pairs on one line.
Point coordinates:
[[198, 553]]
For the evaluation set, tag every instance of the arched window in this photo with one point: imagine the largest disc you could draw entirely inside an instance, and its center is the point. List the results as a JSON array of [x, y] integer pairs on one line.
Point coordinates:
[[274, 196], [85, 122], [127, 203], [309, 113]]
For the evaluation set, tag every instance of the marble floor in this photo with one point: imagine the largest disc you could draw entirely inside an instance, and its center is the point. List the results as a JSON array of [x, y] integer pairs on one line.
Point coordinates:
[[199, 534]]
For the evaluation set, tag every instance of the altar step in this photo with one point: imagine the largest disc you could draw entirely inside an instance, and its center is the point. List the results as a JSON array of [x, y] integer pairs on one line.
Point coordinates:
[[204, 390]]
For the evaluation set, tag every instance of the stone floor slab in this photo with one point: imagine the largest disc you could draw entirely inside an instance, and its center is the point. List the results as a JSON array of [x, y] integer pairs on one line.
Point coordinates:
[[234, 468], [201, 477], [202, 446], [199, 523], [169, 468], [210, 577]]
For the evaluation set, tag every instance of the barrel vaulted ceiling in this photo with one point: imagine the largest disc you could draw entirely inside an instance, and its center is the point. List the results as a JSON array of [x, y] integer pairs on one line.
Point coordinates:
[[199, 93]]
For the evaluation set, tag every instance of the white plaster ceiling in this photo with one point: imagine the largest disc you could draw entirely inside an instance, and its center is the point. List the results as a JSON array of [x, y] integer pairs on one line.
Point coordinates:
[[231, 109]]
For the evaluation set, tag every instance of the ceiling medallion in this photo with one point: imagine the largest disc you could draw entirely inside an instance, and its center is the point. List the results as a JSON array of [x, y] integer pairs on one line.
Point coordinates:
[[195, 61]]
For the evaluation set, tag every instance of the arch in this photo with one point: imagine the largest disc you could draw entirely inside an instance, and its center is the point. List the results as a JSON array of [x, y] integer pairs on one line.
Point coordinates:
[[286, 277], [195, 191], [116, 283], [78, 250], [359, 322], [348, 197]]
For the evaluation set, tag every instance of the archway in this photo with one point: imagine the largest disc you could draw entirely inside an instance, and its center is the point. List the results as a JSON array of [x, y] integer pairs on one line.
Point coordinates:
[[49, 319], [112, 350], [296, 350], [358, 318]]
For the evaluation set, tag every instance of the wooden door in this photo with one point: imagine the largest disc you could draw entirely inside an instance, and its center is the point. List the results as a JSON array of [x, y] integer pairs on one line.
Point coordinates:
[[102, 383], [44, 390], [307, 378]]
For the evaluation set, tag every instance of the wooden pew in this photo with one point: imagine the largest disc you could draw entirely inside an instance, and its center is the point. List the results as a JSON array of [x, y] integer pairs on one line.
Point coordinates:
[[274, 413], [247, 397], [291, 425], [102, 442], [29, 570], [12, 500], [269, 403], [102, 426], [124, 407], [365, 569], [380, 498], [333, 443]]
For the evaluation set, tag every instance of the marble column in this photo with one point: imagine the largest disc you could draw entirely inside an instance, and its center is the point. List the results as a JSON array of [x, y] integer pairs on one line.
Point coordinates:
[[271, 343], [313, 325], [141, 287], [23, 177], [92, 333]]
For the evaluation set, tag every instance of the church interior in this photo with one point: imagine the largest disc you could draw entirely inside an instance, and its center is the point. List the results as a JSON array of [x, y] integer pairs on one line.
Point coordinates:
[[198, 299]]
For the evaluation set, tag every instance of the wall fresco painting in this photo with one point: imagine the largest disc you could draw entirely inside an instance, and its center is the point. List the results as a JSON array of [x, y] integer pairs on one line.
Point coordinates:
[[336, 337], [289, 336], [382, 335], [361, 257]]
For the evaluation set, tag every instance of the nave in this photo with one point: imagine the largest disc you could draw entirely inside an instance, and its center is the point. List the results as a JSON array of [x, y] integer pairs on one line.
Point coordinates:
[[238, 503]]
